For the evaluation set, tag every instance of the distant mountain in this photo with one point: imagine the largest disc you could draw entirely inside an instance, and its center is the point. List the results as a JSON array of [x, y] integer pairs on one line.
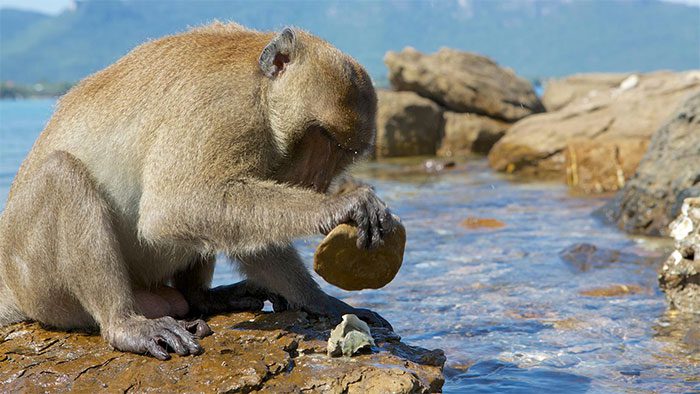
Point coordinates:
[[536, 38], [15, 22]]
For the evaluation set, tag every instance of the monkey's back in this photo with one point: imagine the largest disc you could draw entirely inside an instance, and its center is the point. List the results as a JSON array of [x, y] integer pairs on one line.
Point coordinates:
[[110, 120]]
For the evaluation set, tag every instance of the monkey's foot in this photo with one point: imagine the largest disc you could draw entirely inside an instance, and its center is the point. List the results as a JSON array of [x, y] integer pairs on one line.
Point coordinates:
[[238, 297], [199, 328], [335, 309], [156, 337]]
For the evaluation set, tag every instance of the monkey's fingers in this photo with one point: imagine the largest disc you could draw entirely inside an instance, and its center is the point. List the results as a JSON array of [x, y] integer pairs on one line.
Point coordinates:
[[387, 220], [376, 235], [364, 231], [372, 318]]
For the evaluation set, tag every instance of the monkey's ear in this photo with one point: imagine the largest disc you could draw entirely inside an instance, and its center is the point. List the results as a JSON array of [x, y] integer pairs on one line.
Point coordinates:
[[278, 53]]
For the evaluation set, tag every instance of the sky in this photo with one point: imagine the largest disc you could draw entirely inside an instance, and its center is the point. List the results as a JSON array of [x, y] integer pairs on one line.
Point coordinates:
[[56, 6], [45, 6]]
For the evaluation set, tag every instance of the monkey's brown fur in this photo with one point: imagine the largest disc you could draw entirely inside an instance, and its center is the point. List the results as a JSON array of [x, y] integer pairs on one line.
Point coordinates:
[[220, 139]]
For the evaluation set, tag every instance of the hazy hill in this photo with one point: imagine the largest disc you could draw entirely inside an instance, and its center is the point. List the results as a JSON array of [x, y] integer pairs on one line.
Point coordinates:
[[537, 39]]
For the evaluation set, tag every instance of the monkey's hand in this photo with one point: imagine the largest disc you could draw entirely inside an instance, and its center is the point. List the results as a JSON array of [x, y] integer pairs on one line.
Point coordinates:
[[156, 337], [335, 309], [362, 208]]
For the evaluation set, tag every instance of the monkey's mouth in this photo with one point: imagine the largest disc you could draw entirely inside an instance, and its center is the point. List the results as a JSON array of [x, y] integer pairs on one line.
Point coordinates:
[[316, 159], [355, 147]]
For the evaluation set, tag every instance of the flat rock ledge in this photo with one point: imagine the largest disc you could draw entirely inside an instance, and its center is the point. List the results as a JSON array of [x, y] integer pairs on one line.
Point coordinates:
[[248, 352]]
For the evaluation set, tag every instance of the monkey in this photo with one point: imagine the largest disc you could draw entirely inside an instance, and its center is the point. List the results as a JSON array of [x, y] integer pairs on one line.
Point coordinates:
[[220, 139]]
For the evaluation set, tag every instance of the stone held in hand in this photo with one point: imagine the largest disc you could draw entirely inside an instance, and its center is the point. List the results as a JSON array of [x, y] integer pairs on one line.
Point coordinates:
[[342, 264]]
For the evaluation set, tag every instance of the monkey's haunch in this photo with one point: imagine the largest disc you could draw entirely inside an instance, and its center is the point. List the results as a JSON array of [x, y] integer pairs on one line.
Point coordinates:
[[342, 264], [162, 301]]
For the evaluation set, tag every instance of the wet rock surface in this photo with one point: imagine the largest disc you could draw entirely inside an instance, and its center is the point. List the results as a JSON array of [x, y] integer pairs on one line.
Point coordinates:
[[668, 173], [265, 352], [341, 263], [633, 111], [679, 276], [407, 125], [463, 82]]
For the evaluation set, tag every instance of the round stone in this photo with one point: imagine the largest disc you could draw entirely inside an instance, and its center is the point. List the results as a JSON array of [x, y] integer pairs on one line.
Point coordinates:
[[342, 264]]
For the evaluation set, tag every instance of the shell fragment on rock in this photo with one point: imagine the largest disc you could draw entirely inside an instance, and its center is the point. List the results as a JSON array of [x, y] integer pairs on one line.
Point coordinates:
[[349, 337]]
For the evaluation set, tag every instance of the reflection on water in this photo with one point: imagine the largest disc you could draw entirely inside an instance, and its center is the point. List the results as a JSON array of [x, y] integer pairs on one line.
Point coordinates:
[[502, 302]]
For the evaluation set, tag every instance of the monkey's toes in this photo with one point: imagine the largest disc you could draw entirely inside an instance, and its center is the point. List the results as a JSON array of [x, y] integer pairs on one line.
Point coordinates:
[[154, 337], [199, 328]]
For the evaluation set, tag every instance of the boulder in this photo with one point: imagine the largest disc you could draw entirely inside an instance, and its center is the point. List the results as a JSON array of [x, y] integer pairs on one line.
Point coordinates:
[[634, 110], [668, 173], [558, 93], [463, 82], [679, 276], [466, 132], [272, 352], [342, 264], [602, 166], [407, 125]]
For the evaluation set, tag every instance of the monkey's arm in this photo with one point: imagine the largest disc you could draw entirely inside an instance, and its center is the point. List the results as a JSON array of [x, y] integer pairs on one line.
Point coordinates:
[[244, 215]]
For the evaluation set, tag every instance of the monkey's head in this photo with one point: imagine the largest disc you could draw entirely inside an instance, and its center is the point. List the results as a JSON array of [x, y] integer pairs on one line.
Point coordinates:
[[311, 85]]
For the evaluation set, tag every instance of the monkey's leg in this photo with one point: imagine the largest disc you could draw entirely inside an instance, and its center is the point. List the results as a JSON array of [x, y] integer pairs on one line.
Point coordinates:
[[279, 270], [66, 263], [194, 284]]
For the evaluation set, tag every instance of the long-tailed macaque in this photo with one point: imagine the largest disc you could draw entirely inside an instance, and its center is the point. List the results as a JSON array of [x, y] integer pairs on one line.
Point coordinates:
[[217, 140]]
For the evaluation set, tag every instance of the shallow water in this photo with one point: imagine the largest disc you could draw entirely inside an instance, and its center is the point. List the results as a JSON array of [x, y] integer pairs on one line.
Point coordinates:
[[503, 305]]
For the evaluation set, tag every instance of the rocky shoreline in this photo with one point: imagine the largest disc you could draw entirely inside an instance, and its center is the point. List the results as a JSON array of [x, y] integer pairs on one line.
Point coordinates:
[[263, 352], [637, 135]]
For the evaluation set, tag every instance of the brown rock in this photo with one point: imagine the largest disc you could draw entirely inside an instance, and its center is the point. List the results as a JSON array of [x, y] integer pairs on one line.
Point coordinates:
[[407, 125], [558, 93], [584, 257], [481, 223], [612, 291], [570, 323], [341, 263], [463, 82], [668, 173], [275, 352], [537, 145], [602, 166], [465, 133]]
